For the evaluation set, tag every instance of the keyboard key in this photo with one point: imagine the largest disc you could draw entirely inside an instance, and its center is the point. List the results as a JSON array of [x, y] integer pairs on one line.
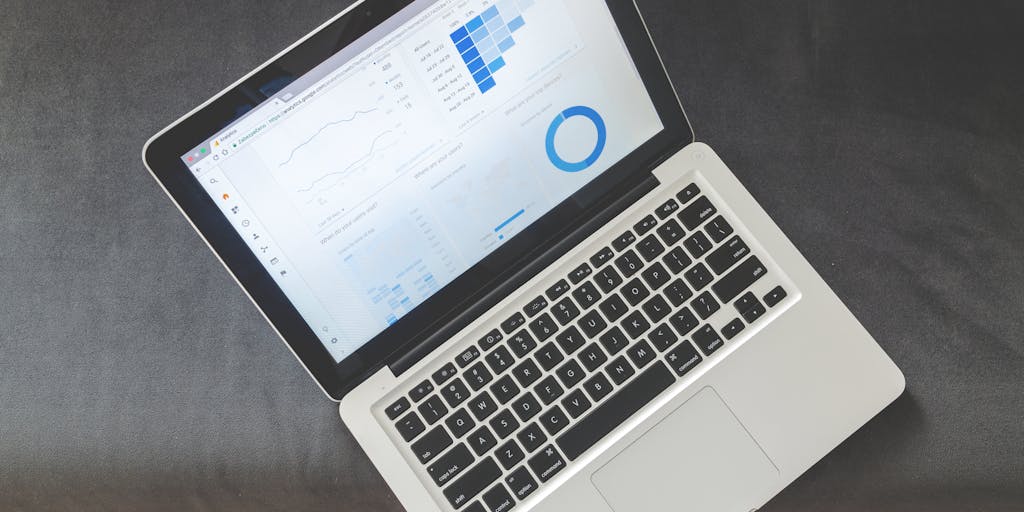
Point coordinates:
[[475, 507], [482, 406], [467, 356], [430, 445], [421, 391], [775, 296], [505, 389], [504, 424], [739, 279], [570, 374], [656, 276], [526, 373], [640, 354], [498, 499], [579, 273], [592, 324], [446, 372], [691, 191], [535, 306], [698, 244], [671, 232], [460, 422], [619, 370], [526, 406], [607, 279], [605, 417], [728, 255], [521, 343], [666, 210], [565, 311], [635, 292], [629, 263], [500, 360], [613, 307], [718, 229], [432, 410], [624, 240], [586, 295], [707, 340], [705, 305], [557, 290], [547, 463], [751, 315], [614, 340], [398, 408], [646, 224], [678, 293], [472, 483], [683, 358], [677, 260], [554, 420], [650, 248], [521, 483], [455, 392], [635, 324], [543, 327], [548, 356], [478, 376], [695, 214], [657, 309], [410, 426], [450, 465], [576, 403], [509, 454], [662, 337], [548, 390], [532, 437], [598, 387], [489, 340], [699, 276], [513, 322], [732, 328], [603, 256], [745, 302], [592, 357], [482, 440], [570, 340]]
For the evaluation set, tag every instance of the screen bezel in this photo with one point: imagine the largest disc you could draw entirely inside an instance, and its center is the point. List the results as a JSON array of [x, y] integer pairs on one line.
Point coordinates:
[[162, 156]]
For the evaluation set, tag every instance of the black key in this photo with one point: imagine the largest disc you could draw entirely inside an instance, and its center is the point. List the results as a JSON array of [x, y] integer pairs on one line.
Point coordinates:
[[728, 255], [732, 328], [446, 372], [683, 358], [421, 391], [554, 420], [677, 260], [548, 356], [619, 370], [475, 507], [532, 437], [646, 224], [705, 305], [718, 229], [490, 339], [662, 337], [576, 403], [535, 306], [526, 406], [580, 273], [455, 392], [617, 409], [547, 463], [739, 279], [751, 315], [695, 214], [500, 360], [504, 424], [666, 210], [699, 276], [467, 356], [430, 445], [707, 339], [460, 422], [641, 354], [570, 373], [451, 464], [684, 321], [526, 373], [745, 302], [656, 308], [636, 324], [598, 387], [608, 279], [613, 307], [398, 408], [498, 499], [570, 340], [478, 376], [698, 244], [603, 256], [592, 324], [671, 232], [410, 426], [432, 410], [482, 406], [593, 357], [543, 327], [775, 296], [691, 191], [650, 248], [521, 343], [472, 483], [635, 292], [629, 263], [482, 440], [549, 390], [614, 340], [505, 389], [513, 322], [624, 240], [565, 311], [587, 295], [509, 454], [656, 276], [521, 482], [558, 289], [678, 293]]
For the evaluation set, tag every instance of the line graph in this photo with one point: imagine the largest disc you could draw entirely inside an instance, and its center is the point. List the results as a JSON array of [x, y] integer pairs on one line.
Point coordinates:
[[359, 161], [298, 147]]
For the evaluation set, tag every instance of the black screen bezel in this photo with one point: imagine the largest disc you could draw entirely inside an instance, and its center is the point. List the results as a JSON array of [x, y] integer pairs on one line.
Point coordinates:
[[163, 157]]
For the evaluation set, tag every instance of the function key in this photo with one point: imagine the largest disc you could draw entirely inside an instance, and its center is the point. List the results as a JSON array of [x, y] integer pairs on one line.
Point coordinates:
[[775, 296], [396, 409], [557, 290], [666, 210], [671, 232], [468, 356], [489, 340], [603, 256], [579, 273], [624, 240], [446, 372], [536, 306], [718, 229], [421, 391], [513, 322], [687, 194], [646, 224], [732, 328], [698, 212]]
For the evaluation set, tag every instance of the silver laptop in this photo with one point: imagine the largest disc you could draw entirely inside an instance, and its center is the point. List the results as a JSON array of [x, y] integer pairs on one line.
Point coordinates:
[[486, 230]]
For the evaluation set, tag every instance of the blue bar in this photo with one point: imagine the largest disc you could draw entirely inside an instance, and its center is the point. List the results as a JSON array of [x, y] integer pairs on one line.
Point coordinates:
[[490, 13], [476, 65], [481, 75], [464, 45], [496, 65], [479, 34], [487, 85], [490, 54], [470, 55], [485, 44], [495, 23], [459, 34], [501, 33], [505, 45], [474, 24], [509, 221], [516, 24]]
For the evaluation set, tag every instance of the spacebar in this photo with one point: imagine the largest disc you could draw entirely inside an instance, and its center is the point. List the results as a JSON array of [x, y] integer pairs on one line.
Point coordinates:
[[617, 409]]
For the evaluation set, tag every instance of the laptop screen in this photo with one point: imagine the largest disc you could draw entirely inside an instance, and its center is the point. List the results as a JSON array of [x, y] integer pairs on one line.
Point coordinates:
[[369, 184]]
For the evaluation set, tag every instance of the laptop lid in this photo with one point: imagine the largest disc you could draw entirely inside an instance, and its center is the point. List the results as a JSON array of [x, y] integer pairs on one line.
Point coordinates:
[[378, 178]]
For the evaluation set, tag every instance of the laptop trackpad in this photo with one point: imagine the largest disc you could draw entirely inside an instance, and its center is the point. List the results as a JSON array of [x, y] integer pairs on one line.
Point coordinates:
[[700, 457]]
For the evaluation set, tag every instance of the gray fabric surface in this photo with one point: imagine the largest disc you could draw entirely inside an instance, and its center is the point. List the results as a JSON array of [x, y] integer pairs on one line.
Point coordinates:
[[884, 137]]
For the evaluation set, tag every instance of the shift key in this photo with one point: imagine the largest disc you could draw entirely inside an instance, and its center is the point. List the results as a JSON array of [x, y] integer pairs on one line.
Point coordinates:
[[734, 283], [472, 483]]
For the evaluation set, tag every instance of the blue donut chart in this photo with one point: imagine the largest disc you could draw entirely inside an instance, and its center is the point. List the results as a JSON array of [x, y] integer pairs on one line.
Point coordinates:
[[602, 138]]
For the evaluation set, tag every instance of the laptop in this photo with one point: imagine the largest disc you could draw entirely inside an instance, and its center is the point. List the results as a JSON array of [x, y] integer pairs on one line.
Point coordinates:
[[485, 229]]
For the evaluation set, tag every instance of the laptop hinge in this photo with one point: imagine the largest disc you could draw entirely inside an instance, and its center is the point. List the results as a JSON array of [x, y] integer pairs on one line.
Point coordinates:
[[406, 357]]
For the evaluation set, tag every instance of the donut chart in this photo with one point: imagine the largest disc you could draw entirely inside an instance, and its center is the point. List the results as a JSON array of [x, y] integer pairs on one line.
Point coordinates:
[[602, 137]]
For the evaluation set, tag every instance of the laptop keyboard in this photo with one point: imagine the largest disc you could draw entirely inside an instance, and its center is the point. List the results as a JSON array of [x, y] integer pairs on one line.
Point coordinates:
[[546, 384]]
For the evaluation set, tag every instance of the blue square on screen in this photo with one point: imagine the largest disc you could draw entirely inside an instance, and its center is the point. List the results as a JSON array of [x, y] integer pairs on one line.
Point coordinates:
[[495, 23], [459, 34], [486, 85], [496, 65], [491, 12], [505, 45], [490, 55], [475, 65], [501, 33], [481, 75], [479, 34], [486, 44], [474, 24], [516, 23], [464, 45], [470, 54]]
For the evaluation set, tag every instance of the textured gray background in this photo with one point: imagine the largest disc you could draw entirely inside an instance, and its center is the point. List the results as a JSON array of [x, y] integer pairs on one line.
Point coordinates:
[[884, 137]]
